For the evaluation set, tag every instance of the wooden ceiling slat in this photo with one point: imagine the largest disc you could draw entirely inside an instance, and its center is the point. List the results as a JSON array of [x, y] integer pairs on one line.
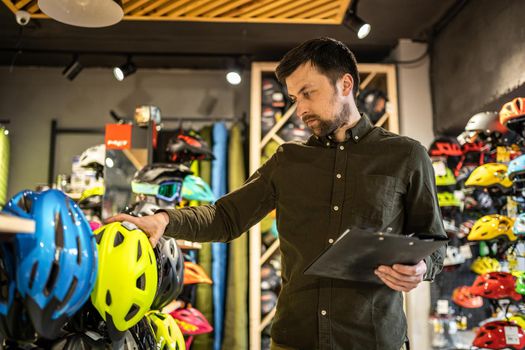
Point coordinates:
[[186, 8], [284, 9], [134, 5], [149, 8], [239, 11], [171, 7], [242, 10], [212, 4], [330, 14], [33, 7], [313, 4], [227, 8], [236, 20], [317, 11], [345, 4], [19, 5], [263, 9]]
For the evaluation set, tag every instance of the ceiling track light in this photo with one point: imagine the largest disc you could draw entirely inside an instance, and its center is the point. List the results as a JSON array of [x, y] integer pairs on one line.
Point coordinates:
[[356, 23], [125, 70], [73, 69], [82, 13]]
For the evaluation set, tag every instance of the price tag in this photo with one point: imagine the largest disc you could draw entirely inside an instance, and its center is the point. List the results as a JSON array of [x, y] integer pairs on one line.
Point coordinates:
[[442, 307], [440, 168], [466, 251], [512, 207], [511, 335]]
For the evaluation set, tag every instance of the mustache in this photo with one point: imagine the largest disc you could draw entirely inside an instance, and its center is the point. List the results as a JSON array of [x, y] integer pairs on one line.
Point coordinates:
[[309, 117]]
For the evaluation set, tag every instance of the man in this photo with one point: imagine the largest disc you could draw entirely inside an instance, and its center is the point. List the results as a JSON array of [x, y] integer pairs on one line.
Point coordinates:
[[348, 173]]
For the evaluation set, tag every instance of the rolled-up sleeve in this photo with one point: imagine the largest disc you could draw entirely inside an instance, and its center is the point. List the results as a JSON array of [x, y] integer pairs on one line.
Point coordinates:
[[422, 212], [231, 215]]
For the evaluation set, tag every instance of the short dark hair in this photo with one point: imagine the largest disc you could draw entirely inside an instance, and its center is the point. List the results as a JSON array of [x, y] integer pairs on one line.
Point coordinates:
[[329, 56]]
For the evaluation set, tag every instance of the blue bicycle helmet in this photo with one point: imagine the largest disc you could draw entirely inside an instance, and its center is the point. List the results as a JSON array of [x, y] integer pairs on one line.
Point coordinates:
[[519, 225], [14, 320], [57, 265], [195, 188], [516, 172]]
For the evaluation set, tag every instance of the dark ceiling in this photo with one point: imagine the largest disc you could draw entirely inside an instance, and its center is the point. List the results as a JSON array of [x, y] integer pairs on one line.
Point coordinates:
[[155, 44]]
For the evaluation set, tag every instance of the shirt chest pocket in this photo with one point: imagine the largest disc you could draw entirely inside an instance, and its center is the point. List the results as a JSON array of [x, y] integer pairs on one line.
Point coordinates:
[[372, 197]]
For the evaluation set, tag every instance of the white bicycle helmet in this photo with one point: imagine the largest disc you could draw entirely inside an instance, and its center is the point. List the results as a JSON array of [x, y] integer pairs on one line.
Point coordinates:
[[93, 157], [454, 257]]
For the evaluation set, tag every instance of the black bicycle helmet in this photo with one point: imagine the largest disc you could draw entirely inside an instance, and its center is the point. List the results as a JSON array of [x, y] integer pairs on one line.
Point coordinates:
[[161, 172], [80, 341], [15, 323], [170, 265], [186, 147]]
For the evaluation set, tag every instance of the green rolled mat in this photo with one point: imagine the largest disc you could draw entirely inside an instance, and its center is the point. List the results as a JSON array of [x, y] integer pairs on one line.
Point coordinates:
[[4, 165]]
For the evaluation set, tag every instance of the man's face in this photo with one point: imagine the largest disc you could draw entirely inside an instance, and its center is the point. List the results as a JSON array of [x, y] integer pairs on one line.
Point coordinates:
[[319, 104]]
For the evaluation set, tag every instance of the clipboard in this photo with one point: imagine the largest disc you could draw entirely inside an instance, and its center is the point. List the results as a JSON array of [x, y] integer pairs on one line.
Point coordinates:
[[358, 252]]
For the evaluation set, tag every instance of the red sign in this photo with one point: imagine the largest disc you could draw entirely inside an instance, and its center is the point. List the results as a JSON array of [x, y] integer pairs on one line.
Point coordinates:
[[118, 136]]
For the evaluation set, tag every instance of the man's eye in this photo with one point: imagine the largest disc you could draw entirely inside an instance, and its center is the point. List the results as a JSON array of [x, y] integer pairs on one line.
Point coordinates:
[[306, 94]]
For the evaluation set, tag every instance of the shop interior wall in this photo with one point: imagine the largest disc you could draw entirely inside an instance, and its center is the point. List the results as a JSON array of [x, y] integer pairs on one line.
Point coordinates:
[[476, 59], [31, 97]]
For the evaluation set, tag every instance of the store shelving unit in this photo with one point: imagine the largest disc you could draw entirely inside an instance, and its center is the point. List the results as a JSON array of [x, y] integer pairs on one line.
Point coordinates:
[[381, 76]]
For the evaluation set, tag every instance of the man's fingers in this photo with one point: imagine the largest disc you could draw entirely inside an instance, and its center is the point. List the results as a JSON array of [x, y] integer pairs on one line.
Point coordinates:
[[396, 284], [418, 269], [399, 276], [120, 218]]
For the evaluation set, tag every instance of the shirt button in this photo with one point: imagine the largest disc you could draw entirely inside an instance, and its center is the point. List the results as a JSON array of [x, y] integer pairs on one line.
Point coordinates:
[[356, 137], [330, 241], [341, 147], [328, 143], [323, 312], [338, 176], [336, 208]]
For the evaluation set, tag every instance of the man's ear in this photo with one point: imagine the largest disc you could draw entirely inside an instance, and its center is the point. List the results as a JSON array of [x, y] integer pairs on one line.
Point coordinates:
[[348, 84]]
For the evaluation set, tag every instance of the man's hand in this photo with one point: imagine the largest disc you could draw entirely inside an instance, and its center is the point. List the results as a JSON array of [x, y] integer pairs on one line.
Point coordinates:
[[153, 225], [402, 278]]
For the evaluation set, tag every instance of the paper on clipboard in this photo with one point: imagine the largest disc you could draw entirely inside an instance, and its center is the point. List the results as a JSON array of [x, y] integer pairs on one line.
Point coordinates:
[[358, 252]]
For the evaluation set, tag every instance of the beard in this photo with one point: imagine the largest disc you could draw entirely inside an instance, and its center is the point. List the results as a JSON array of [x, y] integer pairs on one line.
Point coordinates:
[[327, 127]]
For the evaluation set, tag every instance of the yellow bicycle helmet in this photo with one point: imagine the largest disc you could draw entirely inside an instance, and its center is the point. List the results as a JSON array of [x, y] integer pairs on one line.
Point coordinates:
[[519, 320], [127, 275], [167, 333], [448, 199], [92, 192], [446, 180], [490, 175], [483, 265], [491, 227]]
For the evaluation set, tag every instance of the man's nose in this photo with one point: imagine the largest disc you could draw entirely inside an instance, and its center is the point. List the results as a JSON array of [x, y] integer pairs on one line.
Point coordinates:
[[301, 109]]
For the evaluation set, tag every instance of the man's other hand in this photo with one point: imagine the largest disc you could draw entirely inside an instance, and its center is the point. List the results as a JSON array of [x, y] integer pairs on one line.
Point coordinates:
[[153, 225], [402, 278]]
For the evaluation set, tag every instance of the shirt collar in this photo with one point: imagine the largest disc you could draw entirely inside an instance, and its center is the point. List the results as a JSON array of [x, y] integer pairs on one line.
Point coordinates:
[[356, 133]]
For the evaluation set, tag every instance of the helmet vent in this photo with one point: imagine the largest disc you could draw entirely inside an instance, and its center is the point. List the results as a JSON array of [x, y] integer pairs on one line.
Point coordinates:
[[25, 203], [33, 273], [132, 312], [50, 284], [59, 231], [98, 237], [71, 290], [154, 326], [79, 250], [108, 298], [119, 238], [141, 282], [490, 328], [139, 250]]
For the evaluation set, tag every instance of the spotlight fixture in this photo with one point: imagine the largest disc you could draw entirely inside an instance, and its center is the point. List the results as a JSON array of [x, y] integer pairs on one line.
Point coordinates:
[[124, 70], [73, 69], [356, 23], [84, 13], [234, 76]]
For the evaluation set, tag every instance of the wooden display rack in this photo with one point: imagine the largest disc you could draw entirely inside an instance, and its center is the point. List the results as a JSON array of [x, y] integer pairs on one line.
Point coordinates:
[[381, 76]]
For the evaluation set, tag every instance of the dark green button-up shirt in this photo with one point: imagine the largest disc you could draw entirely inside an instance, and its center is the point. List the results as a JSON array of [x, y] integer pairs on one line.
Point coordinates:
[[319, 188]]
